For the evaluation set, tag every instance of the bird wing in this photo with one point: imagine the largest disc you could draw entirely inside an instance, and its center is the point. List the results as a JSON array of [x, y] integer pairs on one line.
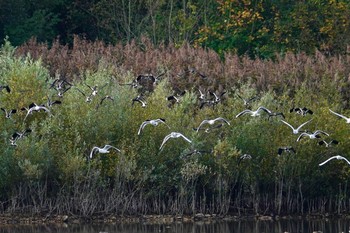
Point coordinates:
[[323, 163], [341, 157], [203, 122], [80, 91], [222, 119], [320, 132], [107, 147], [142, 126], [280, 150], [301, 135], [161, 120], [185, 138], [339, 115], [244, 112], [92, 151], [164, 141], [303, 124], [288, 124], [264, 109]]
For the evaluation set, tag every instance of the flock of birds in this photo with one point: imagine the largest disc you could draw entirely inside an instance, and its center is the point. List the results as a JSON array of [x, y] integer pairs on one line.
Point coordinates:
[[61, 86]]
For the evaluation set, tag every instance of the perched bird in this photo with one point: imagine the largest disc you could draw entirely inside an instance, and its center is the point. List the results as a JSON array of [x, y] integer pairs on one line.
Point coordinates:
[[212, 122], [173, 135], [334, 157], [328, 144], [296, 130], [254, 113], [154, 122], [301, 111], [287, 149], [342, 116], [9, 113], [313, 135], [103, 150], [139, 99]]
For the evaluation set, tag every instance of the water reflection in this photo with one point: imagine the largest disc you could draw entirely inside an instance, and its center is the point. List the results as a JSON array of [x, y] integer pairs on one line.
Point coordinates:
[[291, 226]]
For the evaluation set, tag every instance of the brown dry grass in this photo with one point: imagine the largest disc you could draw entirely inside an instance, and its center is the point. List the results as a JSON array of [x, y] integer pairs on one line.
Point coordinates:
[[139, 57]]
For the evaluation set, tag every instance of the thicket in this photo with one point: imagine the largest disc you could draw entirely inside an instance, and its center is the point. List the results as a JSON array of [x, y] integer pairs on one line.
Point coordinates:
[[49, 171]]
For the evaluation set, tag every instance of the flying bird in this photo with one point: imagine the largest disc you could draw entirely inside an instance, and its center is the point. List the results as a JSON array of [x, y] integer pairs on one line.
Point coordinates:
[[342, 116], [88, 98], [173, 135], [253, 113], [103, 150], [301, 111], [287, 149], [328, 144], [18, 135], [246, 102], [296, 130], [212, 122], [334, 157], [33, 107], [9, 113], [140, 100], [313, 135], [154, 122]]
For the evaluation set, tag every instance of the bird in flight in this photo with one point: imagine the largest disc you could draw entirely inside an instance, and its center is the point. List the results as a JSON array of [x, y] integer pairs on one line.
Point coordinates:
[[313, 135], [212, 122], [173, 135], [9, 113], [287, 149], [103, 150], [154, 122], [328, 144], [254, 113], [296, 130], [301, 111], [33, 107], [334, 157]]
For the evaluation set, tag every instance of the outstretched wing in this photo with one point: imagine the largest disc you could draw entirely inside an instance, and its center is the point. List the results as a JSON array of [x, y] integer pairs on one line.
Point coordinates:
[[164, 141], [323, 163], [243, 112], [222, 119], [339, 115], [188, 140], [202, 123], [303, 124], [142, 126], [288, 124], [93, 151]]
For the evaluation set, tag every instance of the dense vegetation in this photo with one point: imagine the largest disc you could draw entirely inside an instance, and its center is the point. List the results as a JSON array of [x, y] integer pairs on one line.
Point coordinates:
[[253, 27], [49, 170]]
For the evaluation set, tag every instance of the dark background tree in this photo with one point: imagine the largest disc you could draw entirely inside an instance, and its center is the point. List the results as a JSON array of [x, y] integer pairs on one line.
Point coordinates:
[[256, 28]]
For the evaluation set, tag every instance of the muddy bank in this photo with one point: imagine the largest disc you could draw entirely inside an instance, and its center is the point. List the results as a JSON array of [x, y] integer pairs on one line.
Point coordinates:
[[25, 219]]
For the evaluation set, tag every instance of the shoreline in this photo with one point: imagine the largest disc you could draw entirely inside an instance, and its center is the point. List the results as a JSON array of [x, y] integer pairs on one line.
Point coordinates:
[[37, 219]]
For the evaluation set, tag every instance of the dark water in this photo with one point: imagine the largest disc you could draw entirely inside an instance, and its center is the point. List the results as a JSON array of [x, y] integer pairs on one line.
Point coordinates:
[[282, 226]]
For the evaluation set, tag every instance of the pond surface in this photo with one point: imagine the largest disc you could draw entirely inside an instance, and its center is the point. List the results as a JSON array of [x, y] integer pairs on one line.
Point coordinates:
[[281, 226]]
